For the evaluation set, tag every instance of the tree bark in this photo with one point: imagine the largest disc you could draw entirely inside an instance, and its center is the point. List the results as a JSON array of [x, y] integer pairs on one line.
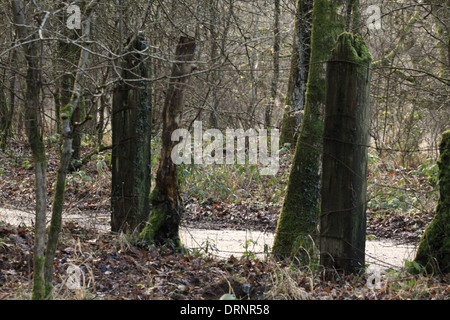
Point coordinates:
[[346, 137], [298, 77], [69, 55], [298, 220], [167, 207], [131, 153], [434, 248], [34, 133], [5, 118], [276, 65], [65, 160]]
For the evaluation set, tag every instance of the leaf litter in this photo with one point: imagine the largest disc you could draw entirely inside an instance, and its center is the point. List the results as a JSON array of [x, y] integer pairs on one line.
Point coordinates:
[[91, 264]]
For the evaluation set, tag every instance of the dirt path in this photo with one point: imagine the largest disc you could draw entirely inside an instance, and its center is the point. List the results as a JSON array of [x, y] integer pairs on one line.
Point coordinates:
[[224, 243]]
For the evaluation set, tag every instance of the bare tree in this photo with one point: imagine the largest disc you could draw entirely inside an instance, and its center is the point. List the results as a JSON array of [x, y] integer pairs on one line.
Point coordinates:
[[30, 45], [167, 206]]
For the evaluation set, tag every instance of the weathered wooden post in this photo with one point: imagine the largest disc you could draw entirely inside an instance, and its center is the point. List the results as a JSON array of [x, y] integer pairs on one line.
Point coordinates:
[[344, 179], [434, 248], [131, 139]]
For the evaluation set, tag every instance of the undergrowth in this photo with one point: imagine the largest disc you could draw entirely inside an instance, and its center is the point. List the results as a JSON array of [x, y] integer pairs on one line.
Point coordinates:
[[98, 266]]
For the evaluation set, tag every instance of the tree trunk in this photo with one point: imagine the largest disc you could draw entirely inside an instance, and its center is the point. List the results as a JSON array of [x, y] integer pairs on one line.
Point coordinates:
[[7, 109], [34, 133], [276, 65], [76, 119], [215, 76], [434, 248], [69, 55], [297, 224], [295, 97], [167, 207], [65, 160], [5, 114], [346, 137], [131, 153]]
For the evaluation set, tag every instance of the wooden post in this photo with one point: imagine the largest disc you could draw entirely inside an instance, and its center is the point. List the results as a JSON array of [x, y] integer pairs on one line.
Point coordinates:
[[167, 206], [131, 153], [346, 132]]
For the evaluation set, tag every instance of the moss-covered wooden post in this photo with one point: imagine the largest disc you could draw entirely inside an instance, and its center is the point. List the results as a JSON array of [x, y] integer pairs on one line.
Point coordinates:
[[434, 248], [297, 224], [131, 139], [167, 207], [346, 136]]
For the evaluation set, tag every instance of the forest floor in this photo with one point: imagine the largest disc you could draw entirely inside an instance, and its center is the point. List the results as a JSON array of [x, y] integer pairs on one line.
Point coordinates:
[[92, 263]]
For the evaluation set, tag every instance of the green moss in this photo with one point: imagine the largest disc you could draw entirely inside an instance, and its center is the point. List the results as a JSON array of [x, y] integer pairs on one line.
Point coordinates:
[[155, 231], [38, 279], [352, 48], [434, 248], [300, 213], [156, 219], [66, 111]]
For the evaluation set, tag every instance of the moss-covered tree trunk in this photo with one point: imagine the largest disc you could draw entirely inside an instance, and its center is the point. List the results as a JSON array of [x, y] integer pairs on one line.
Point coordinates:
[[344, 176], [434, 247], [65, 158], [34, 133], [297, 224], [298, 77], [131, 153], [167, 207]]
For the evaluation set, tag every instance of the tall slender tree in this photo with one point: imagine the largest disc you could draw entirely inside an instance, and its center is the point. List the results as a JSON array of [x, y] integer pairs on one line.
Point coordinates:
[[276, 65], [298, 76], [30, 45], [67, 133]]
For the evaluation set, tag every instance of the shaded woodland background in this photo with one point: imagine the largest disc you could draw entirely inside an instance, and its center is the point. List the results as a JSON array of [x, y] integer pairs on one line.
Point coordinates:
[[236, 69]]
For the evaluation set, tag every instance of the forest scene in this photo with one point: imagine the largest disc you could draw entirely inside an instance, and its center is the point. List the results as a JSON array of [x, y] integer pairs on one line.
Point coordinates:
[[225, 150]]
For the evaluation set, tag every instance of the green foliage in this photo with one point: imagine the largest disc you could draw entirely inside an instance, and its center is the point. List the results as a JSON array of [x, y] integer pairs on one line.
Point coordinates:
[[431, 169], [53, 141], [27, 164], [413, 267], [101, 161], [398, 189], [79, 180], [247, 245]]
